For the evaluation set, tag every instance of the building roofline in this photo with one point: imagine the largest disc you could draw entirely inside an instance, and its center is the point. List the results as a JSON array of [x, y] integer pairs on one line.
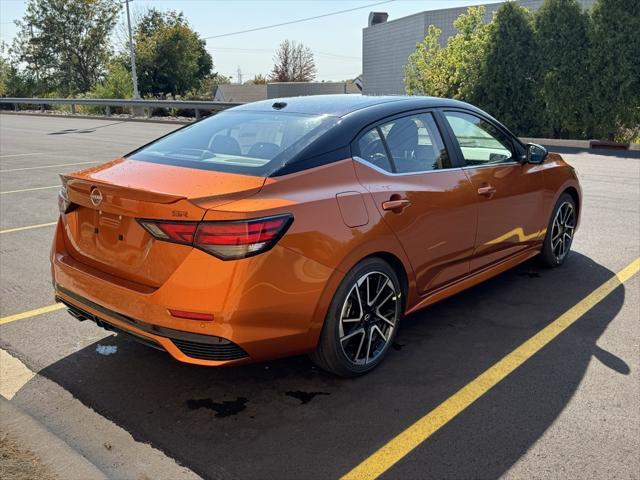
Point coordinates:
[[434, 10]]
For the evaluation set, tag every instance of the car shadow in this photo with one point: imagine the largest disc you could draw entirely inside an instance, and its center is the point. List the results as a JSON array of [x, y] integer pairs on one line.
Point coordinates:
[[286, 419]]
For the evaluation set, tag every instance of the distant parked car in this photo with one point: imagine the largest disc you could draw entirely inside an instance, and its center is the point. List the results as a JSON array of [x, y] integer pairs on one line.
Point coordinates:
[[305, 225]]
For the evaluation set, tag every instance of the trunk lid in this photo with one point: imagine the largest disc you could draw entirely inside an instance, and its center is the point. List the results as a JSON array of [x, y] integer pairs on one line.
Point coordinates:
[[101, 229]]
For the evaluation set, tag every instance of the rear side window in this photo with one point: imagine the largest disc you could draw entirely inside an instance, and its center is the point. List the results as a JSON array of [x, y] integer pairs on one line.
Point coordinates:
[[372, 149], [480, 142], [413, 143], [254, 143]]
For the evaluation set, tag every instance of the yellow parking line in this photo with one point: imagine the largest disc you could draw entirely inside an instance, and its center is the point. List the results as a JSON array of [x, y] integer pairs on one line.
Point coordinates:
[[45, 166], [31, 313], [398, 447], [29, 227], [29, 189]]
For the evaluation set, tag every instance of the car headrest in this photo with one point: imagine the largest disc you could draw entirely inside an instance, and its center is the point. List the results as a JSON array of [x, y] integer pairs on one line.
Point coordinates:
[[403, 135], [263, 150], [225, 144]]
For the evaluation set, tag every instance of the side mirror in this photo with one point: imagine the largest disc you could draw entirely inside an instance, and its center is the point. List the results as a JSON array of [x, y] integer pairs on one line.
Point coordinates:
[[536, 153]]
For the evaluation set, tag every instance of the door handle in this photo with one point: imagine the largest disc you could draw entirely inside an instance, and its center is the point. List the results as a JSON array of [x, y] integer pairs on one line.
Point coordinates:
[[487, 190], [396, 205]]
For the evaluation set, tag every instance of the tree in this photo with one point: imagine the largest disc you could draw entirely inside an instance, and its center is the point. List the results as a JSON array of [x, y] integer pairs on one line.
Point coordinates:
[[170, 57], [452, 71], [207, 87], [15, 83], [258, 79], [293, 62], [424, 73], [563, 41], [615, 67], [506, 86], [64, 44], [116, 84]]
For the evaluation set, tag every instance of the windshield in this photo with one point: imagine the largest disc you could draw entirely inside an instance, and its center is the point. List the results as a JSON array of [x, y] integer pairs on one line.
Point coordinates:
[[253, 143]]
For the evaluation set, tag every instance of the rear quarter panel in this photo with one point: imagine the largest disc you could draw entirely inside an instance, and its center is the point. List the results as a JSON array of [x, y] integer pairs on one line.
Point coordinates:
[[320, 229]]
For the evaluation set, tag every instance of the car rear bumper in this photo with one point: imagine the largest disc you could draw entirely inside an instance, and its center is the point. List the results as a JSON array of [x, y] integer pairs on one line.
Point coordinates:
[[195, 347], [263, 307]]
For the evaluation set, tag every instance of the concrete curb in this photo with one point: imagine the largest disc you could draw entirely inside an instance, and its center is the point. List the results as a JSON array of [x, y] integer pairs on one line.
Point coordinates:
[[64, 461]]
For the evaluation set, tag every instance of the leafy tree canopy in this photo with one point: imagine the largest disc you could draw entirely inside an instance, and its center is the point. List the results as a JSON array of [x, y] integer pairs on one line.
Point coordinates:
[[562, 50], [258, 79], [64, 44], [506, 85], [170, 57], [615, 68], [452, 71], [116, 84]]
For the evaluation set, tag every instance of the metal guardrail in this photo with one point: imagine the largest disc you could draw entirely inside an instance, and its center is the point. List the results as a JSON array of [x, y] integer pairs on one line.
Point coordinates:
[[107, 103]]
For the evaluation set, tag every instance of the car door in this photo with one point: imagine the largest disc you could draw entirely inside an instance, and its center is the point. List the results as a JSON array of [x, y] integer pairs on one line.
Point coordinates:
[[431, 207], [509, 192]]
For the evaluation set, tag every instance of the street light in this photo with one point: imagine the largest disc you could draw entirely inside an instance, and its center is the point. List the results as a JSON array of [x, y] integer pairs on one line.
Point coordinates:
[[134, 73]]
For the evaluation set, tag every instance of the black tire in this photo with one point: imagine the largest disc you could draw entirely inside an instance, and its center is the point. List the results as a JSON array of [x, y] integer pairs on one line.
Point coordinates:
[[330, 354], [553, 254]]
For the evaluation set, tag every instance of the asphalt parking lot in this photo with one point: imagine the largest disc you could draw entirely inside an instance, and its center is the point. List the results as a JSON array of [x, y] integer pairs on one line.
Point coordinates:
[[570, 411]]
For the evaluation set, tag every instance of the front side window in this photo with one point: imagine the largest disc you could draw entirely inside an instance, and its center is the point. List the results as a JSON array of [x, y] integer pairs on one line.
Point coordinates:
[[481, 143], [413, 143], [253, 143]]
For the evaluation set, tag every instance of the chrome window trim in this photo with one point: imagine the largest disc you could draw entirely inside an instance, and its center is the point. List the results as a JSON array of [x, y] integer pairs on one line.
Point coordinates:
[[391, 174], [487, 165]]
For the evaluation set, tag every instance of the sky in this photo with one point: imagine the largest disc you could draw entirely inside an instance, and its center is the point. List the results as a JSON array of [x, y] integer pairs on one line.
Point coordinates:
[[335, 40]]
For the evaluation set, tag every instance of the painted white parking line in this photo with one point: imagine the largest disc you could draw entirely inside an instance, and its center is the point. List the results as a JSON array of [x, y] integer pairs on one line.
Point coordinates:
[[14, 374], [29, 227], [29, 189], [20, 155], [45, 166]]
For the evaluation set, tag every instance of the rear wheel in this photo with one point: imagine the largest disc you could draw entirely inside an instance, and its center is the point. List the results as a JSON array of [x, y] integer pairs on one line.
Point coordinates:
[[560, 230], [362, 320]]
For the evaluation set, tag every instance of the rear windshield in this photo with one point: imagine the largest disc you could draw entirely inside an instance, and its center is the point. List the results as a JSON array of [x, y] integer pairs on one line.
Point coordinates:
[[245, 142]]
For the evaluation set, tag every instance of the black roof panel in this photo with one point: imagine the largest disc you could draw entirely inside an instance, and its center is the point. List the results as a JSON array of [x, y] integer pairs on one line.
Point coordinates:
[[341, 104]]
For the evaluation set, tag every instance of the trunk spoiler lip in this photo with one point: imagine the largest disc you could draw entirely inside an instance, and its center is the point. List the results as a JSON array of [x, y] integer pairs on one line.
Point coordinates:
[[203, 201], [72, 183], [201, 197]]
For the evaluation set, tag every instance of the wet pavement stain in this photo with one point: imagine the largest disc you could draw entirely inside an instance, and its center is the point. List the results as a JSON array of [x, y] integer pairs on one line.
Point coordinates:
[[530, 274], [304, 397], [226, 408]]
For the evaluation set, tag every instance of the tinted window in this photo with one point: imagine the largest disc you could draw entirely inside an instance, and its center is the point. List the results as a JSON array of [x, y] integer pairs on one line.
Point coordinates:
[[372, 150], [414, 142], [481, 143], [252, 143]]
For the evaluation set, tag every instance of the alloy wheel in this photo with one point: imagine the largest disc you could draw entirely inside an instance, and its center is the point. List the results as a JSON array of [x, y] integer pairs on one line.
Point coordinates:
[[562, 230], [369, 317]]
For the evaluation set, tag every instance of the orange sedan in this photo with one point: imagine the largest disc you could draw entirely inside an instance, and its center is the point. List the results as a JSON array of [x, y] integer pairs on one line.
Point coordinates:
[[305, 225]]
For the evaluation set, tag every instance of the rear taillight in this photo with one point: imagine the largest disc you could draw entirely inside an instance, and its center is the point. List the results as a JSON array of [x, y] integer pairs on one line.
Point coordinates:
[[178, 232], [64, 204], [227, 240]]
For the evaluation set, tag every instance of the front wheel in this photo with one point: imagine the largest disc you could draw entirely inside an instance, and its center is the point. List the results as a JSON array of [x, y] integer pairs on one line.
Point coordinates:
[[560, 230], [362, 320]]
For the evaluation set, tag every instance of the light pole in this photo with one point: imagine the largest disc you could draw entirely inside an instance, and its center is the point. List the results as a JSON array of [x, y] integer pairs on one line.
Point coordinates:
[[134, 74]]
